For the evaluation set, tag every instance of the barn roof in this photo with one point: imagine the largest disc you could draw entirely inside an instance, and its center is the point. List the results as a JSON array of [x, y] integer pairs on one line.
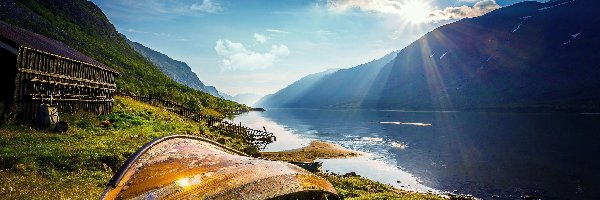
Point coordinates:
[[21, 37]]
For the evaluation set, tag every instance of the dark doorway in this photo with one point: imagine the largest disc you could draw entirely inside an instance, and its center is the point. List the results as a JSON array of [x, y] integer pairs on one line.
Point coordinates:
[[8, 66]]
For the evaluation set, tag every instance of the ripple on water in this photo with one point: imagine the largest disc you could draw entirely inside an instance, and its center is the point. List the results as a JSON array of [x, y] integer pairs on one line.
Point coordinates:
[[372, 139], [375, 164], [399, 145], [376, 169], [407, 123]]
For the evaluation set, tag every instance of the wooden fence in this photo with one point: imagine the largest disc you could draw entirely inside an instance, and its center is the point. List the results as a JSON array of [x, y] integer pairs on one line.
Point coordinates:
[[258, 137]]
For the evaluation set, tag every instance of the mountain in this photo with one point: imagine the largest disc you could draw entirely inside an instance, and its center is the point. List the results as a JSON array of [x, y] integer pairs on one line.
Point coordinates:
[[290, 95], [332, 88], [246, 98], [83, 26], [174, 69], [528, 56]]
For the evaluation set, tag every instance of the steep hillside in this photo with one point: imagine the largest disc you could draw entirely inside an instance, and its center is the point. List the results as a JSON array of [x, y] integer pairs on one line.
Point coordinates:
[[339, 88], [82, 25], [528, 56], [174, 69]]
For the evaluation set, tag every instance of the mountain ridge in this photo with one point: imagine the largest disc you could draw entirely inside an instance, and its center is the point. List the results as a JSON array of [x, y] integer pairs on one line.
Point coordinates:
[[306, 93], [248, 99], [177, 70], [514, 58], [527, 56]]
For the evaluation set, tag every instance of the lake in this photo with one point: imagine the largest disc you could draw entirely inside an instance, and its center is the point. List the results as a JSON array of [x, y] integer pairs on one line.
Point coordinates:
[[549, 155]]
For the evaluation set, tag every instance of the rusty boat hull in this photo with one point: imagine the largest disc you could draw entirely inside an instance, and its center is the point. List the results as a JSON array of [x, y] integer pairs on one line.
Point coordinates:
[[188, 167]]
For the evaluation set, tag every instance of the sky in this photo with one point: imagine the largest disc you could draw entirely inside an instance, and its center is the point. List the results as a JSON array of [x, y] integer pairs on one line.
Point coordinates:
[[261, 46]]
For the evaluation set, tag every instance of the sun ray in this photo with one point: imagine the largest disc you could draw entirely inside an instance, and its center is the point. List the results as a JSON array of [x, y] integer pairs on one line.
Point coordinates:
[[415, 11]]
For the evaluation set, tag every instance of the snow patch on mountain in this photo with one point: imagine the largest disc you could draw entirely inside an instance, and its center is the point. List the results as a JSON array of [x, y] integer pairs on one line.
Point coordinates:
[[443, 55], [557, 5], [518, 27]]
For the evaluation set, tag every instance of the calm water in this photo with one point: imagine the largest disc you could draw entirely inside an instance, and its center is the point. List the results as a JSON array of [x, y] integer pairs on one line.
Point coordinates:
[[550, 155]]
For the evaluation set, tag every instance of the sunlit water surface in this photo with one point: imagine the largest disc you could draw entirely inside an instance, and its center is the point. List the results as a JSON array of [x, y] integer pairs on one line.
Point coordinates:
[[549, 155]]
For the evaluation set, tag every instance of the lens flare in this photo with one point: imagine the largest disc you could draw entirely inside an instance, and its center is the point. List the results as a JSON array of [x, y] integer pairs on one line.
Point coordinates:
[[415, 11]]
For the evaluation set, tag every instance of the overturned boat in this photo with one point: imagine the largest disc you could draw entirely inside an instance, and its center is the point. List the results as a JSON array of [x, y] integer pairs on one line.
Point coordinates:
[[188, 167]]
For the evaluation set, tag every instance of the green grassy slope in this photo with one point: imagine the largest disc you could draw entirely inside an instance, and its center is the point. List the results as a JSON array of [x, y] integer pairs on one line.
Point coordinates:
[[83, 26], [77, 164]]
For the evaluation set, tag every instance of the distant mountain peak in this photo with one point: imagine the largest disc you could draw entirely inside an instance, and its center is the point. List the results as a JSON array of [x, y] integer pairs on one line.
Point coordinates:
[[332, 87], [177, 70]]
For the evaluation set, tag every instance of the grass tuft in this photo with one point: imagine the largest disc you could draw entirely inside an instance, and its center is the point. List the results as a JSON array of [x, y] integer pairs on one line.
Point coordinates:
[[356, 187], [78, 163]]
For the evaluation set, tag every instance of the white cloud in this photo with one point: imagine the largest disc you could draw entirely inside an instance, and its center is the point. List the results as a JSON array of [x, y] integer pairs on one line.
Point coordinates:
[[277, 31], [131, 30], [395, 7], [237, 57], [173, 7], [325, 32], [378, 6], [207, 6], [453, 13], [260, 38]]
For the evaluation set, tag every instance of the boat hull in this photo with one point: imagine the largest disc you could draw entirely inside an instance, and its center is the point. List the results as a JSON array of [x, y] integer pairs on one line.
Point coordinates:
[[187, 167]]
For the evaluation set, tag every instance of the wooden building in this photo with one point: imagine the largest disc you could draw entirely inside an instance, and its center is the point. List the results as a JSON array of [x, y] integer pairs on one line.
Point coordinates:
[[38, 70]]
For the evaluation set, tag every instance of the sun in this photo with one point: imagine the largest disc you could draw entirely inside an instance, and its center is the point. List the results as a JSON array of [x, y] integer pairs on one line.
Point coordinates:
[[415, 11]]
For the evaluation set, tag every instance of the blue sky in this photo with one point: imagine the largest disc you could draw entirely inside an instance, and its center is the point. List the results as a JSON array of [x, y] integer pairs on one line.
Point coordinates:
[[260, 46]]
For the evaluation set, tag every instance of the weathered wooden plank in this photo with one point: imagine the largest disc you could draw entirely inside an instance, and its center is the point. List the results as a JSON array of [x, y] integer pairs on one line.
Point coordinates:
[[74, 85], [84, 81]]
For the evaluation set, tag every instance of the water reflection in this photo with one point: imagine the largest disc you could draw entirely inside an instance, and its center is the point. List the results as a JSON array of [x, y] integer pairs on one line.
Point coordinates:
[[376, 169], [407, 123], [550, 155], [373, 164], [286, 138]]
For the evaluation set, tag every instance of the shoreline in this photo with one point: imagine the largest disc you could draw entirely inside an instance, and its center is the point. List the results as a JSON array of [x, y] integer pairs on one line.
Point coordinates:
[[351, 182], [315, 150], [368, 169]]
